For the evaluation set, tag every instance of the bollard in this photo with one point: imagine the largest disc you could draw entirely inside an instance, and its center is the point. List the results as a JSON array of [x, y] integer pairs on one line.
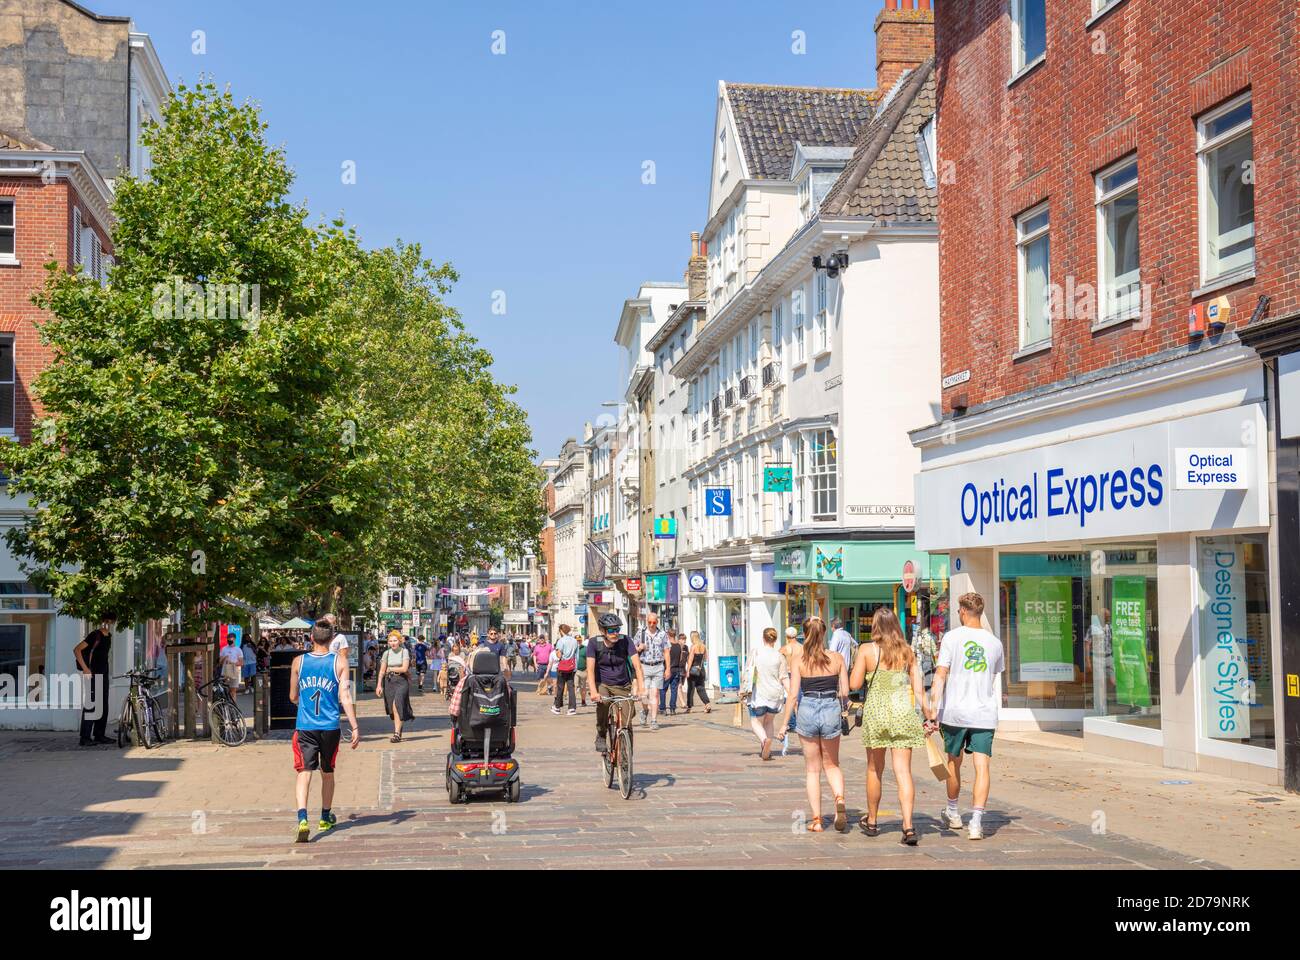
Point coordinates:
[[259, 705]]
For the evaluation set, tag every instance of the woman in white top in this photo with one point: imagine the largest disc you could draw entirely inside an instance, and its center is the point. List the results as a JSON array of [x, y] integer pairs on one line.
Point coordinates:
[[764, 690]]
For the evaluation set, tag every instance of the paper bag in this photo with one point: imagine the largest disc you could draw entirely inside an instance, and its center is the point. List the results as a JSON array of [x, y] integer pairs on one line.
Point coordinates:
[[936, 757], [738, 718]]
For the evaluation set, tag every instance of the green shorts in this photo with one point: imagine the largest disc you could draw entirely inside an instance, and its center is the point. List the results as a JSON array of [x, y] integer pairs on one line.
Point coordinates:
[[970, 739]]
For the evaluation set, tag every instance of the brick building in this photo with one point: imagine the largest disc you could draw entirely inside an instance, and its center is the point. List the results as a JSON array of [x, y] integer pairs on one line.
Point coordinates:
[[77, 88], [1117, 200]]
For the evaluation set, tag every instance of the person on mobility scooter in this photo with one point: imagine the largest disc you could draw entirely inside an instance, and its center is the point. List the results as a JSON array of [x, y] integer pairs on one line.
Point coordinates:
[[483, 711]]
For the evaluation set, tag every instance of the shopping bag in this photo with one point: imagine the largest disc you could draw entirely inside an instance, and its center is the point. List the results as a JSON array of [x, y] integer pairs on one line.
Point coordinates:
[[738, 718], [936, 757]]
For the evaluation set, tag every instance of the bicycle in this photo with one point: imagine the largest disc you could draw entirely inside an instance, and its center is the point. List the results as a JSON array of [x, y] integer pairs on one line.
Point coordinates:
[[618, 752], [227, 718], [142, 720]]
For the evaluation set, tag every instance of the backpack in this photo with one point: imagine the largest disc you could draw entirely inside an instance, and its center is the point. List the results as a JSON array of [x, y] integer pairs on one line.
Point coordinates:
[[486, 698]]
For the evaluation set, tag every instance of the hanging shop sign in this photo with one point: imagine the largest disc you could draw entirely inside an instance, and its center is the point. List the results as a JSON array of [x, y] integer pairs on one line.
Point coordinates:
[[909, 576], [1046, 645], [632, 584], [697, 581], [778, 478], [665, 528], [1121, 484], [717, 501], [1128, 624]]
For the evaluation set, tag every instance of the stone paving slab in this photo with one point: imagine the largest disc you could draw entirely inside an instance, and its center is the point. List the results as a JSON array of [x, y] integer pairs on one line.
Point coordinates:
[[701, 799]]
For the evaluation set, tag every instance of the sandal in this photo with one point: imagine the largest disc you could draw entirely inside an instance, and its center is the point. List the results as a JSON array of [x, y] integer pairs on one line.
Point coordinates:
[[815, 826], [766, 751], [909, 837], [841, 815], [869, 828], [395, 738]]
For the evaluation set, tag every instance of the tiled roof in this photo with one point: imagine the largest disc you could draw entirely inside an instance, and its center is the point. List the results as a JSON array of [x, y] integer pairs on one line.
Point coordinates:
[[885, 179], [12, 141], [769, 119]]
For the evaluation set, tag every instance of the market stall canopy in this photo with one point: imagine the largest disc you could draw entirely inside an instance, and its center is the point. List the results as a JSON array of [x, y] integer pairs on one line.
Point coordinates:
[[297, 623], [266, 623]]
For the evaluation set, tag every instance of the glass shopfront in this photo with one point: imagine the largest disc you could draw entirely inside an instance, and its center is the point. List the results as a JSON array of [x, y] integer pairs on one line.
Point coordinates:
[[1082, 631], [1236, 643]]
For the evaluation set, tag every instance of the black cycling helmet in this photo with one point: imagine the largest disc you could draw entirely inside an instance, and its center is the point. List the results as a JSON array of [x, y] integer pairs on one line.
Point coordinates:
[[610, 621]]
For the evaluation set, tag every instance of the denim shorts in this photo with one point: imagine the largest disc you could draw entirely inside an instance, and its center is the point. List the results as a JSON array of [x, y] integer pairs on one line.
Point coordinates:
[[819, 717], [763, 711]]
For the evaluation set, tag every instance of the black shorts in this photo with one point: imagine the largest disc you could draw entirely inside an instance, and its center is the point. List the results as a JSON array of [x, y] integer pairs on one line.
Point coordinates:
[[316, 750]]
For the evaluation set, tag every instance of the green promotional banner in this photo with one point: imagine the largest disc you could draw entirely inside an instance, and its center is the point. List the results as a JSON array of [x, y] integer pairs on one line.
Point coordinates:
[[1045, 638], [1128, 618]]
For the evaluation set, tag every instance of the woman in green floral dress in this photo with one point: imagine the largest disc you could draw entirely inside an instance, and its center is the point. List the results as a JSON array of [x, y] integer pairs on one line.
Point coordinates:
[[890, 720]]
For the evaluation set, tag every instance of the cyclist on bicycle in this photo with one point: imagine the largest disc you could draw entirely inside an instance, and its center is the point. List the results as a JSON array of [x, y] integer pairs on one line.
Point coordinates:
[[613, 670]]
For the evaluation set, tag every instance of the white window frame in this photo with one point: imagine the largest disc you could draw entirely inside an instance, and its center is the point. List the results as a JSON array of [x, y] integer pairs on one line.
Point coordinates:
[[778, 330], [1020, 61], [1205, 146], [1023, 241], [821, 315], [1109, 308], [822, 466], [798, 326]]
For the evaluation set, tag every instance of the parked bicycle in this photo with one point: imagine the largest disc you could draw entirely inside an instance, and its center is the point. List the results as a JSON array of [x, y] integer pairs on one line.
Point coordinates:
[[227, 718], [142, 720], [617, 757]]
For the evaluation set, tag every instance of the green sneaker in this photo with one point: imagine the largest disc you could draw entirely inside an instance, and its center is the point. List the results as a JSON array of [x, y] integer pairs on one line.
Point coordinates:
[[304, 829], [325, 825]]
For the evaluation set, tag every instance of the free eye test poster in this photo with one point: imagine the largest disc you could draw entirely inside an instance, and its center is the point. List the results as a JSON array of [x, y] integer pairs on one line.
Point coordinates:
[[1128, 617], [1046, 640]]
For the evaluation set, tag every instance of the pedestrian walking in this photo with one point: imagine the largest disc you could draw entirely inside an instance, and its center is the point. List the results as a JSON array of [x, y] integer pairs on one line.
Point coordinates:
[[842, 641], [232, 666], [542, 655], [890, 722], [566, 666], [790, 652], [525, 656], [651, 647], [249, 650], [697, 673], [580, 674], [674, 671], [964, 701], [512, 653], [762, 688], [819, 683], [319, 686], [394, 684], [92, 656], [926, 651], [421, 662]]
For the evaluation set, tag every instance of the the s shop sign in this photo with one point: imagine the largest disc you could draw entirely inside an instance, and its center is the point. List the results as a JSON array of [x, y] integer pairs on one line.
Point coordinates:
[[1194, 474]]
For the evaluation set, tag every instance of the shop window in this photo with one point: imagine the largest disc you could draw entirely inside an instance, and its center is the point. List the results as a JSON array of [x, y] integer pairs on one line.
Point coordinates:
[[1236, 643], [1081, 632], [824, 475]]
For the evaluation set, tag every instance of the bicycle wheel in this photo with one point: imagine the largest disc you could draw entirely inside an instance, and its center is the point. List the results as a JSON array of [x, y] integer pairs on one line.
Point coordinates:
[[124, 724], [149, 723], [158, 722], [625, 763], [230, 724], [607, 765]]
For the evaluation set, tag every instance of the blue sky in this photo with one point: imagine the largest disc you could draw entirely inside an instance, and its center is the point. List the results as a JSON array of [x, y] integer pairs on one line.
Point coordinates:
[[523, 169]]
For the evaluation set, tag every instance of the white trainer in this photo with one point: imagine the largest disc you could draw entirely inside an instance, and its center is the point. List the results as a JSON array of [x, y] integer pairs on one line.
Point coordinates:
[[950, 820], [976, 830]]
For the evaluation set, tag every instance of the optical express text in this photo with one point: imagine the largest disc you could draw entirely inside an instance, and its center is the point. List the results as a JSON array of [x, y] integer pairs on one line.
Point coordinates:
[[1078, 496]]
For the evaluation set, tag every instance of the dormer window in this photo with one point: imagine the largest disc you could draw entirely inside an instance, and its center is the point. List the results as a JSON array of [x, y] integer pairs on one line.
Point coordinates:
[[722, 156]]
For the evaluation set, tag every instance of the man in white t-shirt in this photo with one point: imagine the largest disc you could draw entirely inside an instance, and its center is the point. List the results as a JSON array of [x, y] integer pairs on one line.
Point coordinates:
[[232, 665], [965, 702]]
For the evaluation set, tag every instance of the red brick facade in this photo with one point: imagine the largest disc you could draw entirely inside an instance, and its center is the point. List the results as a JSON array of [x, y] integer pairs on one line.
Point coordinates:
[[43, 232], [1134, 81]]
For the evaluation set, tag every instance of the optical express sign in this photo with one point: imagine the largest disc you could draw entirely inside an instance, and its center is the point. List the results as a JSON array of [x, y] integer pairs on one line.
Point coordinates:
[[1199, 473]]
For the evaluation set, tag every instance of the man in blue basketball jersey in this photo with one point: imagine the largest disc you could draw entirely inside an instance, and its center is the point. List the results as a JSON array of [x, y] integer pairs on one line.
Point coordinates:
[[320, 685]]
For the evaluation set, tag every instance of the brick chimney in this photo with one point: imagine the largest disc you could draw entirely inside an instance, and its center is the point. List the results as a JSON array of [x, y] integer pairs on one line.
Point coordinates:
[[697, 270], [904, 39]]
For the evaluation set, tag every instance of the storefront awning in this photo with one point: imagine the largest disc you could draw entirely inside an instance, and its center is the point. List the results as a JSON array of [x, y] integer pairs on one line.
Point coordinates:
[[855, 561]]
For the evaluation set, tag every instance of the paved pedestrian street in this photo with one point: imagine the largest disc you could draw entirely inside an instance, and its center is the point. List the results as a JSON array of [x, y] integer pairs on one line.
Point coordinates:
[[702, 798]]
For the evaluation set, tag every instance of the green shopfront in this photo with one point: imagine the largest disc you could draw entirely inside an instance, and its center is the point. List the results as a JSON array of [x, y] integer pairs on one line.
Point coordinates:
[[852, 579]]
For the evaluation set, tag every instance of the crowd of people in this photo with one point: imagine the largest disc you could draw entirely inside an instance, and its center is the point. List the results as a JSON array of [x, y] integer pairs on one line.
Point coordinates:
[[819, 684]]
